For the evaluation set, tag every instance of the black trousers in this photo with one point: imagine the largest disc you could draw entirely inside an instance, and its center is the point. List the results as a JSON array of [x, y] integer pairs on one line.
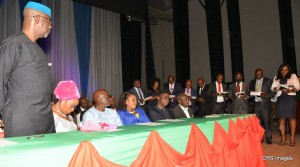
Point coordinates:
[[264, 117]]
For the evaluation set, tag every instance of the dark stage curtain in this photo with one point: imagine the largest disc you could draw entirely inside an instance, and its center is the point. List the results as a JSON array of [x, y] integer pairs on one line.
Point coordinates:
[[215, 36], [83, 22], [134, 8], [287, 33], [235, 37], [131, 51], [181, 38], [150, 68]]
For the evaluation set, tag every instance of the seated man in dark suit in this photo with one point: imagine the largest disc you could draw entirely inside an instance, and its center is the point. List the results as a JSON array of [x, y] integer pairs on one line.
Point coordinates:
[[174, 89], [82, 107], [217, 93], [203, 101], [160, 111], [191, 93], [182, 110]]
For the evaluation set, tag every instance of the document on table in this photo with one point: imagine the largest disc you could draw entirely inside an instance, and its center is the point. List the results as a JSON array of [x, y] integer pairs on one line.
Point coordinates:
[[172, 120], [6, 143], [212, 116], [151, 124], [112, 130]]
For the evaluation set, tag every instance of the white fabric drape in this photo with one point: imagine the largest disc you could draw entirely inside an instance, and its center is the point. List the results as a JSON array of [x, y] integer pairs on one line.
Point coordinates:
[[10, 22], [63, 48], [105, 58]]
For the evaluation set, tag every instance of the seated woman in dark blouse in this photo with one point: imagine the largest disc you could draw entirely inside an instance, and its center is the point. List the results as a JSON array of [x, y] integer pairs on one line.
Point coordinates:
[[129, 114]]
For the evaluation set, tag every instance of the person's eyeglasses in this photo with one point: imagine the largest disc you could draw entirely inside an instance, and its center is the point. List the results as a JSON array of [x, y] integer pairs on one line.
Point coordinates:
[[50, 21]]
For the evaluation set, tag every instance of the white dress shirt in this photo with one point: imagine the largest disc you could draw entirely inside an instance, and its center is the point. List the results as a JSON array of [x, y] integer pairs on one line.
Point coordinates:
[[186, 111], [220, 98]]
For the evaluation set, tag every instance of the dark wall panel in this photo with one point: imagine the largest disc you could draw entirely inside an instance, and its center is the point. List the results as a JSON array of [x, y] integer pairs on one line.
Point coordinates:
[[287, 33]]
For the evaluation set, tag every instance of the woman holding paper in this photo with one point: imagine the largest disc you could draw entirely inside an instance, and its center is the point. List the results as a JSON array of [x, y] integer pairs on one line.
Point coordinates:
[[129, 114], [286, 84], [152, 93]]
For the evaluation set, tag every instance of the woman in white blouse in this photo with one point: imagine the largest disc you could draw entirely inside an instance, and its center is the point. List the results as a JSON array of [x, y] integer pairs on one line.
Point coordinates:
[[286, 84], [68, 98]]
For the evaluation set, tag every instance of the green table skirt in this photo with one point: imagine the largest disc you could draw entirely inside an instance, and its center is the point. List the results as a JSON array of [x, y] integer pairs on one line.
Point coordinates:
[[121, 147]]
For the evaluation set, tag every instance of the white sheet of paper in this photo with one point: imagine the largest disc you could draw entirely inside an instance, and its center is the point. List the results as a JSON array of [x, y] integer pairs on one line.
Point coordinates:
[[193, 97], [255, 93], [172, 120], [112, 130], [212, 116], [147, 98], [151, 124], [283, 86], [6, 143]]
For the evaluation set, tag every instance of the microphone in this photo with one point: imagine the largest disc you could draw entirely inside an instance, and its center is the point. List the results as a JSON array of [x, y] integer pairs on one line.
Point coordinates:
[[50, 66]]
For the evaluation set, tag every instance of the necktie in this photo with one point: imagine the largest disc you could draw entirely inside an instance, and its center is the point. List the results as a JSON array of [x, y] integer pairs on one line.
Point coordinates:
[[238, 88], [171, 89], [219, 87], [200, 91], [188, 91], [258, 86], [140, 93]]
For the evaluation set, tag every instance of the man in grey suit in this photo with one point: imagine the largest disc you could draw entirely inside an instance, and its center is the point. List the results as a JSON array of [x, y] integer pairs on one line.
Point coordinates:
[[182, 110], [238, 94], [139, 93], [262, 103], [217, 93]]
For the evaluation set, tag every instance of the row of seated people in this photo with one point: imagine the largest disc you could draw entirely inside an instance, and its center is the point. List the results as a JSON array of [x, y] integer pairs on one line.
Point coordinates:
[[125, 114], [136, 106]]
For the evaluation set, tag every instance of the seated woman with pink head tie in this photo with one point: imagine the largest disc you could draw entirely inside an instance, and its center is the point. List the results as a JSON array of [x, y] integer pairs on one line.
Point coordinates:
[[68, 98]]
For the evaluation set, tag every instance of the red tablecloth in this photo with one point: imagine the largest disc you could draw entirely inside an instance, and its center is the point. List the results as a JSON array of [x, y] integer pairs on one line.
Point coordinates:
[[241, 146]]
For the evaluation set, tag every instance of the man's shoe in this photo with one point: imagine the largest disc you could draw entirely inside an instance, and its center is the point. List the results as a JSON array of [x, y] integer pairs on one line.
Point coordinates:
[[269, 140]]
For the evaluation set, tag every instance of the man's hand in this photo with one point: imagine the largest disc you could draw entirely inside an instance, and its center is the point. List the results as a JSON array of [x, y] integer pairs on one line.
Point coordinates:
[[200, 99]]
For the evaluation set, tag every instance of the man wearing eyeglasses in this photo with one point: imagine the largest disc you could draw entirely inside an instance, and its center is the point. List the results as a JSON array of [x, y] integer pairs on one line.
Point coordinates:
[[160, 111], [25, 79]]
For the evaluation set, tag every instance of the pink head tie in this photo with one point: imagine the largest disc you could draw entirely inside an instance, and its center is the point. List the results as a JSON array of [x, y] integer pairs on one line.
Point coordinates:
[[66, 90]]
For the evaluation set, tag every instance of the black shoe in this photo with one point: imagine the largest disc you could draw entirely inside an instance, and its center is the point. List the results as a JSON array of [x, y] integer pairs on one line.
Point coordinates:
[[269, 140]]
